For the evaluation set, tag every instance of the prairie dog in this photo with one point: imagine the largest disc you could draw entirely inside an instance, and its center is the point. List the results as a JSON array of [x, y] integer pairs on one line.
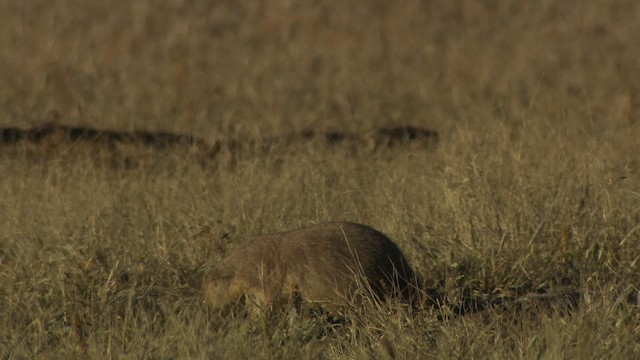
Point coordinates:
[[329, 263]]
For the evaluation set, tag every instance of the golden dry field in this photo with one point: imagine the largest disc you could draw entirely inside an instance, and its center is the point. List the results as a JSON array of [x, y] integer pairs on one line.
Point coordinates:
[[142, 140]]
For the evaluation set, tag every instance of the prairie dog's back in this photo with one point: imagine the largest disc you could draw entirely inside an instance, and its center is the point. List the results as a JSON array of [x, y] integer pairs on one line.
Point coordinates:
[[321, 263]]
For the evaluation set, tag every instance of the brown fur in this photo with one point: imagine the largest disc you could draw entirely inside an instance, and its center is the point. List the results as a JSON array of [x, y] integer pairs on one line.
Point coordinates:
[[330, 263]]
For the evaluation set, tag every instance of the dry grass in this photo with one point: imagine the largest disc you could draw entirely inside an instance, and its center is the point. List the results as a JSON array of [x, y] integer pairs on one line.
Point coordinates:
[[535, 183]]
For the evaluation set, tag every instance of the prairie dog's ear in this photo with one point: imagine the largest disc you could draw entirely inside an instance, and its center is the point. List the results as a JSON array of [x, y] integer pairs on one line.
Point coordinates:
[[222, 244]]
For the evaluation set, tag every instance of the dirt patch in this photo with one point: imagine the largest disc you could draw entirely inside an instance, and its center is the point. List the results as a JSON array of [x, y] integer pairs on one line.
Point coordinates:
[[52, 139], [54, 134]]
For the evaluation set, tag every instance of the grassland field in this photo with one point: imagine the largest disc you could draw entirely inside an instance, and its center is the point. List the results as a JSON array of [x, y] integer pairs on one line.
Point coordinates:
[[532, 187]]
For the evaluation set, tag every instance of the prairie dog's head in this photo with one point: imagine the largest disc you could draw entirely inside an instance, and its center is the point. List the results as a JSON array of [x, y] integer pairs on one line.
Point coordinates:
[[220, 290]]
